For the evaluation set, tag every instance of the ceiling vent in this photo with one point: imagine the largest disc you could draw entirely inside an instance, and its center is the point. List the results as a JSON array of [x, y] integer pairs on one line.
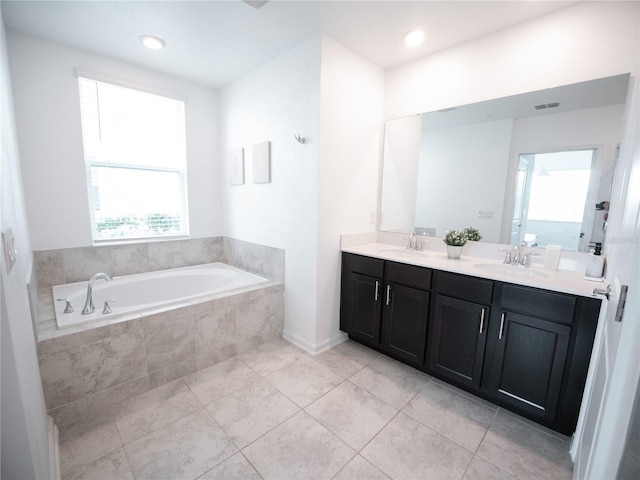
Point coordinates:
[[542, 106]]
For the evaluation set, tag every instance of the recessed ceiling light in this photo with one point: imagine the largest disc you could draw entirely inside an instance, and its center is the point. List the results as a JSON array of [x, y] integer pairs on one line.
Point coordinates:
[[154, 43], [414, 38]]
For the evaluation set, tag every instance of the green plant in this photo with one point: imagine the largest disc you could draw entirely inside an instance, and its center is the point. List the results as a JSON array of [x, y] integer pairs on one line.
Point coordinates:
[[472, 234], [455, 238]]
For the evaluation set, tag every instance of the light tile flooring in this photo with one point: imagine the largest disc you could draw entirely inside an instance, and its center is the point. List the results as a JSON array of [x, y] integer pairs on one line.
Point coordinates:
[[278, 413]]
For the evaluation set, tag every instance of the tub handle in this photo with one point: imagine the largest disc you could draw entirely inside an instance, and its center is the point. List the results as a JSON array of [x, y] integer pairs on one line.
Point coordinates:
[[107, 308], [68, 308]]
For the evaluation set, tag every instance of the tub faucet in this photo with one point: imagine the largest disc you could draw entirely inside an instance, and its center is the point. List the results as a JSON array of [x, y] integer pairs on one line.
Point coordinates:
[[88, 303]]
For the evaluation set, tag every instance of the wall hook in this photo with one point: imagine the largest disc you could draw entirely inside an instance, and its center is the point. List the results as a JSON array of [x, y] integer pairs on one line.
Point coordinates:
[[299, 138]]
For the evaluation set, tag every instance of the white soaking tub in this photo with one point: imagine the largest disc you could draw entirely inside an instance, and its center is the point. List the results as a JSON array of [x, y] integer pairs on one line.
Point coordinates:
[[132, 295]]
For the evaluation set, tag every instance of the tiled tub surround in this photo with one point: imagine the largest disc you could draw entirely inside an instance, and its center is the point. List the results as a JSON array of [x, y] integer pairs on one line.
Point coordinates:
[[88, 367], [59, 267], [69, 265], [85, 372]]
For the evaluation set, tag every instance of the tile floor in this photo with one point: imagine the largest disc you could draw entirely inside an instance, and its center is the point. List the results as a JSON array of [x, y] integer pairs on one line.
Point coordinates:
[[278, 413]]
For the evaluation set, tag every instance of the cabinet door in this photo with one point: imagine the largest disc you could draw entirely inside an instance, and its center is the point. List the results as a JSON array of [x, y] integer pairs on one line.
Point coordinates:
[[363, 308], [405, 322], [457, 339], [530, 358]]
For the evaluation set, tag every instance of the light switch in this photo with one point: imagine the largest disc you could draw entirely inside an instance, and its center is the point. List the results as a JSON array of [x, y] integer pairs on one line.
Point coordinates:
[[9, 248], [484, 214]]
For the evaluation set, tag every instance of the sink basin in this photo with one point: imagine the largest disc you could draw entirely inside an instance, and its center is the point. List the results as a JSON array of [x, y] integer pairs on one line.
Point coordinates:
[[403, 252], [509, 270]]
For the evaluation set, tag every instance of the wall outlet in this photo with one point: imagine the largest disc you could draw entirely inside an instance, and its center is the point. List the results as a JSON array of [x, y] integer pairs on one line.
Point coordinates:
[[9, 248], [485, 214], [372, 218]]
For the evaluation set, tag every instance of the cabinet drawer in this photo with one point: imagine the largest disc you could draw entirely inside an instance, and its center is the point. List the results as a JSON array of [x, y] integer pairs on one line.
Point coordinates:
[[408, 275], [364, 265], [477, 290], [552, 306]]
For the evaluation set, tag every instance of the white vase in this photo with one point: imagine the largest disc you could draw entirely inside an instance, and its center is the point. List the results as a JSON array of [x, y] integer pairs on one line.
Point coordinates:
[[454, 252]]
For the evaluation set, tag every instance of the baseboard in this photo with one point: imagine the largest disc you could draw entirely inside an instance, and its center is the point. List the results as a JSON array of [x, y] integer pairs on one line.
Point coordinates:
[[298, 341], [54, 449], [314, 349], [331, 342]]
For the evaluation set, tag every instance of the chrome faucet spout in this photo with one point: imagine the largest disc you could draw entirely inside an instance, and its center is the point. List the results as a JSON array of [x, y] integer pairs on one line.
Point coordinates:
[[88, 303]]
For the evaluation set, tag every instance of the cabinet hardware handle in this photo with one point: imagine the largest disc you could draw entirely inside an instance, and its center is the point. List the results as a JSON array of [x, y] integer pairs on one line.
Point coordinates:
[[377, 291], [388, 294], [482, 321], [501, 325]]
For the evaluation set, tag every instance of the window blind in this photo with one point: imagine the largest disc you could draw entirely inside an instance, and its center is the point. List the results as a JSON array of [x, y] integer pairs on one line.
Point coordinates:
[[135, 156]]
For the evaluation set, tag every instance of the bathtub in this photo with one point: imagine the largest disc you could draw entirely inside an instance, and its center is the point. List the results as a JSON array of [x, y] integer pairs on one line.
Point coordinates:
[[131, 295]]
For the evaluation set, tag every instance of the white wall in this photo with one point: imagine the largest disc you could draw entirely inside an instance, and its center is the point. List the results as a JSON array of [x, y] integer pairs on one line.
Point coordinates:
[[274, 103], [581, 42], [463, 170], [50, 137], [326, 187], [351, 103], [25, 448]]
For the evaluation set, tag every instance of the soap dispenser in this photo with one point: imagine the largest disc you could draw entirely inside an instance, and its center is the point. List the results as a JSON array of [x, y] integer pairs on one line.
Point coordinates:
[[595, 264]]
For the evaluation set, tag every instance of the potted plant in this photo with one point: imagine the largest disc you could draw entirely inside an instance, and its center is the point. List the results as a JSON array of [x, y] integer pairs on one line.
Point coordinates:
[[455, 240], [472, 234]]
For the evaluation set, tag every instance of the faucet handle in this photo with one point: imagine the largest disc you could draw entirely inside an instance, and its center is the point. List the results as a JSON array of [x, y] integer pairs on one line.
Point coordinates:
[[507, 257], [107, 308], [68, 308], [526, 258], [411, 241]]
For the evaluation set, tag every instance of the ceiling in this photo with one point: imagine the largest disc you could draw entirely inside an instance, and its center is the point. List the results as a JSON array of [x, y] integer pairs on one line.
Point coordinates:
[[215, 42]]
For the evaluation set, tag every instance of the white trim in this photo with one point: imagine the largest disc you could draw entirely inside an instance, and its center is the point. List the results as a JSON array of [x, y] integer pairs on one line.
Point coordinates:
[[341, 337], [298, 341], [78, 72], [312, 348], [54, 449]]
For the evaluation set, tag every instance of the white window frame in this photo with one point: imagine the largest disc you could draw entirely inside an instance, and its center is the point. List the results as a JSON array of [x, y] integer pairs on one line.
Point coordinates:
[[180, 168]]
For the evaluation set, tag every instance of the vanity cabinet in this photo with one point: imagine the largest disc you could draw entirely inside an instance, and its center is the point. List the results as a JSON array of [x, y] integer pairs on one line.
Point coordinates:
[[386, 305], [458, 327], [405, 311], [529, 351], [360, 298], [524, 348]]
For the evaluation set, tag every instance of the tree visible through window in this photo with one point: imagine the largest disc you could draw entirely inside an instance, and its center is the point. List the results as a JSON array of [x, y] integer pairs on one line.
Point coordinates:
[[135, 155]]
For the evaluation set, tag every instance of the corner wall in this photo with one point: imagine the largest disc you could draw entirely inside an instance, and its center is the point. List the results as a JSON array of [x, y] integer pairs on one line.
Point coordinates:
[[273, 103], [351, 107], [50, 137], [25, 441]]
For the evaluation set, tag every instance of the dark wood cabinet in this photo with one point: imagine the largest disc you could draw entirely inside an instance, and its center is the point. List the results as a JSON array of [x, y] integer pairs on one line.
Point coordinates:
[[386, 306], [524, 348], [530, 358], [538, 352], [458, 328], [405, 322], [360, 298], [457, 340]]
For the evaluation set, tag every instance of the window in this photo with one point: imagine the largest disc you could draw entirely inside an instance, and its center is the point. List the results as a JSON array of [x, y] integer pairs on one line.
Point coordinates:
[[135, 156]]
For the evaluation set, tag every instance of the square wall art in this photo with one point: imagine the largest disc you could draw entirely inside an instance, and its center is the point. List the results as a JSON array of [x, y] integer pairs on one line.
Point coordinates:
[[262, 162], [236, 166]]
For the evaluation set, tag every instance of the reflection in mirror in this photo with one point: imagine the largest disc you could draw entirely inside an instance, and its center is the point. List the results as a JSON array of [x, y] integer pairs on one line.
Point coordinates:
[[486, 165]]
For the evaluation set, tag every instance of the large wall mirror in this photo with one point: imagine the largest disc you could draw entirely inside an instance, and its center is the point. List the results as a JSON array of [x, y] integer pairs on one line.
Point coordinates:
[[536, 167]]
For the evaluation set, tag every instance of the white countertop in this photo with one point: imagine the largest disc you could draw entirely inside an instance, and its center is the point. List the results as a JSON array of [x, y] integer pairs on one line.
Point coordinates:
[[556, 280]]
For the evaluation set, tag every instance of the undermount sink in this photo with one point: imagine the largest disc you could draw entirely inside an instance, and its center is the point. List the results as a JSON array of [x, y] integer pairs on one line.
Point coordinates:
[[403, 253], [509, 270]]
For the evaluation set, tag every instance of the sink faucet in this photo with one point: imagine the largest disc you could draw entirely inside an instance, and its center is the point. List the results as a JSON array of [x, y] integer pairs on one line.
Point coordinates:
[[414, 243], [516, 256], [88, 304]]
